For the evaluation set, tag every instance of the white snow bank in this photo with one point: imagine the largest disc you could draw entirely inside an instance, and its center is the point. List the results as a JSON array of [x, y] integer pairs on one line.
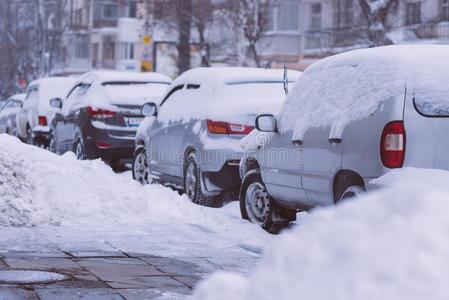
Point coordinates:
[[351, 86], [39, 187], [233, 95], [391, 244]]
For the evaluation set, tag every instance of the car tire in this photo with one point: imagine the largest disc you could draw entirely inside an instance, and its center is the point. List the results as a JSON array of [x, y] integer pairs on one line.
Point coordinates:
[[347, 187], [141, 170], [79, 150], [192, 184], [30, 136], [52, 143], [257, 206]]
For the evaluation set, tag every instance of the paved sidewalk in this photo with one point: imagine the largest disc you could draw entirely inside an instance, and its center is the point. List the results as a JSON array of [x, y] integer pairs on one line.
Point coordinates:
[[104, 275]]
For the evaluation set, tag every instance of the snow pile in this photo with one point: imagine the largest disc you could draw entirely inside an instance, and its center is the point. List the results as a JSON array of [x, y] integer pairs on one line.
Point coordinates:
[[39, 187], [352, 85], [391, 244]]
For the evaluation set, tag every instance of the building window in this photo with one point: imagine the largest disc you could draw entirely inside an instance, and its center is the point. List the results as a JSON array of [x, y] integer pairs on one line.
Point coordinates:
[[284, 16], [110, 11], [108, 48], [127, 50], [82, 46], [343, 13], [444, 10], [315, 16], [413, 13]]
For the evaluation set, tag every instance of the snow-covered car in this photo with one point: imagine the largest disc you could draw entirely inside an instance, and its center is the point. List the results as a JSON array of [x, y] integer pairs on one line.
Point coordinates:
[[190, 141], [349, 119], [100, 116], [36, 115], [8, 114]]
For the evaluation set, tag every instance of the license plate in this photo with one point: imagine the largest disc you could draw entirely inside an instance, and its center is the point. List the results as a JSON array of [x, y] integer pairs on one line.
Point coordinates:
[[133, 121]]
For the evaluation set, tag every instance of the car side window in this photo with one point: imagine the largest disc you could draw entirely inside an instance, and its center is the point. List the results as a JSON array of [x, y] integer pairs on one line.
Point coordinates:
[[32, 92], [171, 93], [74, 97]]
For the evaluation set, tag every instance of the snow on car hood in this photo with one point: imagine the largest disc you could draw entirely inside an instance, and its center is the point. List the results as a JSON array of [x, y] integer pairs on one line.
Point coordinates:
[[352, 85], [134, 94], [390, 244]]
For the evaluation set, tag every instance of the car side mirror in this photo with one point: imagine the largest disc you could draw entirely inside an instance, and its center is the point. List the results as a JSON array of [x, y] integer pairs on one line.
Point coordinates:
[[149, 109], [266, 123], [56, 102]]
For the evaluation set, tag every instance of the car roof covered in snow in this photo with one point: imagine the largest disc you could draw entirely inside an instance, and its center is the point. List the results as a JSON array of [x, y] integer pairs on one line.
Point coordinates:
[[235, 75], [117, 76], [350, 86]]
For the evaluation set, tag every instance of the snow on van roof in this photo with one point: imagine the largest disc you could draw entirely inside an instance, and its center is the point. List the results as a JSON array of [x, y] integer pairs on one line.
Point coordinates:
[[352, 85], [105, 76], [235, 75]]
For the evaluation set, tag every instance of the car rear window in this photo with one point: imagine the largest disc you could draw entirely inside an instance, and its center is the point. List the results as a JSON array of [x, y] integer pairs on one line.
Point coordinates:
[[431, 108]]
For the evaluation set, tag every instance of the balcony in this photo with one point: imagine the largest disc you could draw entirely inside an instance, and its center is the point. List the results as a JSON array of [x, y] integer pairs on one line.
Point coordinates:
[[334, 39]]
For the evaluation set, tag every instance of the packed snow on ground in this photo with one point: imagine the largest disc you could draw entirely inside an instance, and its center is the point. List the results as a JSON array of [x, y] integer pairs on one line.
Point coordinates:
[[352, 85], [391, 244], [86, 198]]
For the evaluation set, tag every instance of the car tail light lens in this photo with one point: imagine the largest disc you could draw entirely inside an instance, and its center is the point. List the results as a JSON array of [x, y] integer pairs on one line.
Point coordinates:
[[98, 113], [392, 145], [103, 145], [218, 127], [42, 121]]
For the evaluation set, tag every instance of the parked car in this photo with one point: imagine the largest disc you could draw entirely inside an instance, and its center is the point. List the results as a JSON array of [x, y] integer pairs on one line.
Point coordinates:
[[34, 119], [8, 114], [190, 141], [349, 119], [101, 113]]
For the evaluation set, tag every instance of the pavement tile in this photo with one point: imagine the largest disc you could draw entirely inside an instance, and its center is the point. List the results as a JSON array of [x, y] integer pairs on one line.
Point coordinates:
[[86, 254], [106, 268], [190, 281], [78, 293], [17, 294], [158, 282], [34, 254], [42, 263], [174, 266], [150, 294]]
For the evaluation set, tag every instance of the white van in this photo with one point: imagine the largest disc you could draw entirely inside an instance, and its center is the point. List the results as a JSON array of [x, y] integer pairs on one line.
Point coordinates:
[[36, 115]]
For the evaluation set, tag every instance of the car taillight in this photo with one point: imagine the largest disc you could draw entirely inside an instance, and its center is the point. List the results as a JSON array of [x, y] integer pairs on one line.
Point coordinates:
[[42, 121], [98, 113], [218, 127], [392, 145], [103, 145]]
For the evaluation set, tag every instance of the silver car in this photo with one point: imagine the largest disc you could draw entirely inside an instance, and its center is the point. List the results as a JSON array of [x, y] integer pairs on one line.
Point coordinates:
[[349, 119], [191, 141]]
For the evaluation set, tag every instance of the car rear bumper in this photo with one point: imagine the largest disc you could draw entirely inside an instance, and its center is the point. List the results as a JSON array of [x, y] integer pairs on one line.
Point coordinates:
[[112, 145], [41, 135]]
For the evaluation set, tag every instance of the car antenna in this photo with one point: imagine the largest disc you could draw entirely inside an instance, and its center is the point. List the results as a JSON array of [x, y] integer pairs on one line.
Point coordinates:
[[285, 78]]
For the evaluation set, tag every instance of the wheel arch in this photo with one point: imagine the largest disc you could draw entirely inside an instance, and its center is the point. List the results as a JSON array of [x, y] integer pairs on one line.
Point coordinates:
[[247, 164], [345, 176]]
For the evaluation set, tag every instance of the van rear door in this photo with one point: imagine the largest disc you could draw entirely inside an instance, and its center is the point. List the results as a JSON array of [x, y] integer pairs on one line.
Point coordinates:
[[426, 118]]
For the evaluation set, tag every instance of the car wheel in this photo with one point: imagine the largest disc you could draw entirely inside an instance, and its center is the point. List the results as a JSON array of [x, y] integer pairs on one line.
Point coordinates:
[[79, 150], [257, 206], [52, 144], [192, 184], [30, 136], [141, 170], [348, 188]]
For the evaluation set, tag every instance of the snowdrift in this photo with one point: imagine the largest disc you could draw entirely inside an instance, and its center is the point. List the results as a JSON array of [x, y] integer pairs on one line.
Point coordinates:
[[391, 244], [39, 187]]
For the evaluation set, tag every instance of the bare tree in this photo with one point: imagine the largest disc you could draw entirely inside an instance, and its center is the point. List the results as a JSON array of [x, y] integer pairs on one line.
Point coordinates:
[[252, 16], [375, 13], [203, 17]]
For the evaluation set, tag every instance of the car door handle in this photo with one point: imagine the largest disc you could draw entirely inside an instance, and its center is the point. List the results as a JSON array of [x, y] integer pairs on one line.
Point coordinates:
[[334, 140], [297, 143]]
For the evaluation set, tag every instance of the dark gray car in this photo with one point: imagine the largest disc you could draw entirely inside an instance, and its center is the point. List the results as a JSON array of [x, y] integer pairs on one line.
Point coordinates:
[[101, 113]]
